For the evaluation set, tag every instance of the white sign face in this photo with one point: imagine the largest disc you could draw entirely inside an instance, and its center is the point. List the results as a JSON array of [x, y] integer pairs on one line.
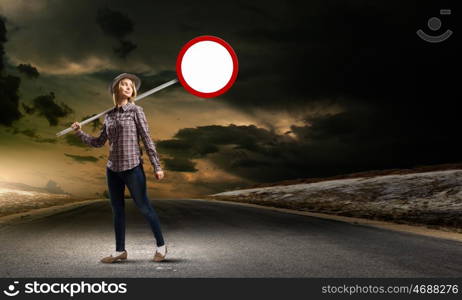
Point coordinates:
[[207, 66]]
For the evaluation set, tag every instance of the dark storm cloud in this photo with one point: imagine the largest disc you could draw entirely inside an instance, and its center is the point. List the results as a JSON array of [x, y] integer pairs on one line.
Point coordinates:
[[148, 81], [53, 187], [152, 81], [329, 145], [46, 106], [28, 109], [9, 86], [82, 159], [74, 140], [9, 99], [114, 23], [3, 39], [29, 70], [117, 25], [179, 165], [95, 124], [184, 147], [124, 48], [46, 140], [32, 133], [247, 151]]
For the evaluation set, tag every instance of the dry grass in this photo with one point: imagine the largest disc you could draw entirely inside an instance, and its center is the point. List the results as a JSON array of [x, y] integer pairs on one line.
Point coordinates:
[[432, 200]]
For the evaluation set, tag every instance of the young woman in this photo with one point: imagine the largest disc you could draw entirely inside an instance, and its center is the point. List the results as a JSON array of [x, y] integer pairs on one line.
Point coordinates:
[[123, 126]]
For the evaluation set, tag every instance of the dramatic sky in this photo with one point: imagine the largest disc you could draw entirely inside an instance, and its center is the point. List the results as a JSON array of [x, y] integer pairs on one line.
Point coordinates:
[[324, 88]]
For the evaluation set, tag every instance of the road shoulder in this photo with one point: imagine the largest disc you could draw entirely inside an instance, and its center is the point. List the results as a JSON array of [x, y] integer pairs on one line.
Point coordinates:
[[43, 212]]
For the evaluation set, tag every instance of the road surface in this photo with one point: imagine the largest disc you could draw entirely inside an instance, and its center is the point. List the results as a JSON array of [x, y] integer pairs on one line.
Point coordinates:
[[213, 239]]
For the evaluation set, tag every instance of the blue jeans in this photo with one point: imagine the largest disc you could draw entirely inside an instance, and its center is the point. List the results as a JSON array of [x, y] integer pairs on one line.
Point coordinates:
[[135, 180]]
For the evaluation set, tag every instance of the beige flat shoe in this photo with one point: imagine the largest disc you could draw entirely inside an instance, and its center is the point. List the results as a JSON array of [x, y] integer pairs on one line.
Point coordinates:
[[111, 259], [159, 257]]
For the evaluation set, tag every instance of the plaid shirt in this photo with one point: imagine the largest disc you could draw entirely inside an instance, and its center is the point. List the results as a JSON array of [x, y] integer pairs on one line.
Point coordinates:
[[122, 127]]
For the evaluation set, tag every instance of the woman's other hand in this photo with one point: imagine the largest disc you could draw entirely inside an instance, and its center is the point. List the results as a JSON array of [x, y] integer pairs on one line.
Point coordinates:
[[159, 175], [76, 126]]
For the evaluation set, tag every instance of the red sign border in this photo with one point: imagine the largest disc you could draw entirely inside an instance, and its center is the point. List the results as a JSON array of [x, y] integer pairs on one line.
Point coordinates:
[[201, 39]]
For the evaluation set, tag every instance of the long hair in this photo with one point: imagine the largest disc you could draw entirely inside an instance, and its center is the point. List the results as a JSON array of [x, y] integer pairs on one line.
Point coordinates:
[[115, 92]]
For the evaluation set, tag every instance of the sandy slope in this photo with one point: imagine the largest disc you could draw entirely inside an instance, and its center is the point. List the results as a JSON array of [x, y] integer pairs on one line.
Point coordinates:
[[14, 201], [430, 198]]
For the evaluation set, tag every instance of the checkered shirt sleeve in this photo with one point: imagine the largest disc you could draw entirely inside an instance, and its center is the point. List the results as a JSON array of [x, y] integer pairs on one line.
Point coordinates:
[[143, 130]]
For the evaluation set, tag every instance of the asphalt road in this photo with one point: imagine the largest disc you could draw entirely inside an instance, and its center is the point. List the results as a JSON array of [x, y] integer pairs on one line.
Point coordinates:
[[212, 239]]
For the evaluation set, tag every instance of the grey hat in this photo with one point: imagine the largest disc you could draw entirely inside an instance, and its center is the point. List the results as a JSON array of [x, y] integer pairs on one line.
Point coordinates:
[[134, 78]]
